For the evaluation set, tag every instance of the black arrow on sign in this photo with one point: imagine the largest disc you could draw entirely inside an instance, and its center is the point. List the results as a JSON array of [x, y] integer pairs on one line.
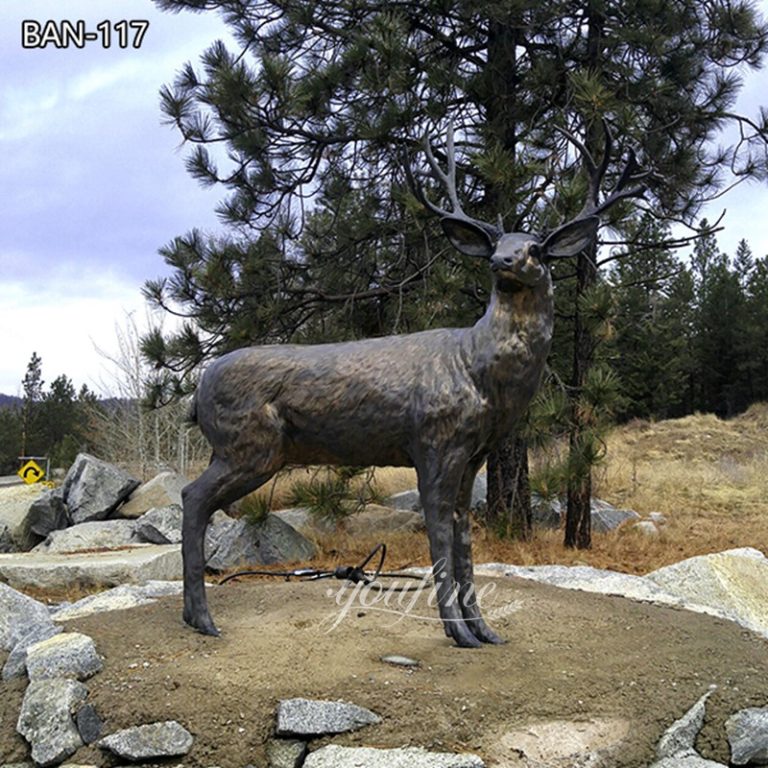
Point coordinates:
[[35, 472]]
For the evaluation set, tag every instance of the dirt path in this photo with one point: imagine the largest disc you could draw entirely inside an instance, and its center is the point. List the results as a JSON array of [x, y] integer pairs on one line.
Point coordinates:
[[570, 655]]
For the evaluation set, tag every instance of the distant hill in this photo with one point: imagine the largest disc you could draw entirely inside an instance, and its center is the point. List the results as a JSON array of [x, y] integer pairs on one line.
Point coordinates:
[[9, 401]]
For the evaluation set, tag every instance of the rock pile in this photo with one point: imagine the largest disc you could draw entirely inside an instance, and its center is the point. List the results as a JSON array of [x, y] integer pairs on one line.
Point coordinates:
[[125, 532]]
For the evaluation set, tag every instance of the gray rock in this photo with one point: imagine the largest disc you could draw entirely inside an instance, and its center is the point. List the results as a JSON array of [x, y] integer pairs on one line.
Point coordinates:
[[304, 717], [139, 564], [302, 519], [729, 584], [681, 735], [606, 517], [14, 508], [400, 661], [18, 614], [96, 534], [88, 724], [117, 599], [479, 502], [16, 663], [161, 491], [94, 489], [658, 518], [378, 519], [688, 760], [647, 528], [167, 739], [161, 525], [546, 513], [286, 753], [7, 544], [46, 719], [272, 541], [587, 579], [69, 654], [334, 756], [47, 513], [747, 732], [409, 500]]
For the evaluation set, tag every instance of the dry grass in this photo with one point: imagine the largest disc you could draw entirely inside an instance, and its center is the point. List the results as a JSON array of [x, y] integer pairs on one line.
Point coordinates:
[[708, 477]]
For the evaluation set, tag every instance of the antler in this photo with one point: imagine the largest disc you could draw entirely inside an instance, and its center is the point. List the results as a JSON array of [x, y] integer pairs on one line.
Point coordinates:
[[631, 173], [448, 180]]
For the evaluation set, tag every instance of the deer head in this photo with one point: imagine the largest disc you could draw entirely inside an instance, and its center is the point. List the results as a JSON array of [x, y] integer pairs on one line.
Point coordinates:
[[519, 259]]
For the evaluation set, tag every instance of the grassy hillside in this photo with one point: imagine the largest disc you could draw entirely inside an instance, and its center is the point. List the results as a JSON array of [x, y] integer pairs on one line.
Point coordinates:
[[709, 478]]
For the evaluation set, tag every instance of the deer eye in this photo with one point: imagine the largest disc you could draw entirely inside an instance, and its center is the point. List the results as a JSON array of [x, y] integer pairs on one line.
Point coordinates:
[[534, 250]]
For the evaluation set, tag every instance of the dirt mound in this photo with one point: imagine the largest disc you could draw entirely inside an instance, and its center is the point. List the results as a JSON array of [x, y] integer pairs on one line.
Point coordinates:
[[571, 656]]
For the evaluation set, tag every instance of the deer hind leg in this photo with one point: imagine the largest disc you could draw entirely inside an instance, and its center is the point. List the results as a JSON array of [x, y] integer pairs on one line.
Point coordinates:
[[462, 562], [439, 488], [217, 486]]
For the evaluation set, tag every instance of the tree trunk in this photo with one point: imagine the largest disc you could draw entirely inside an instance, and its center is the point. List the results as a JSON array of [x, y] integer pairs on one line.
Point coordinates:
[[509, 493]]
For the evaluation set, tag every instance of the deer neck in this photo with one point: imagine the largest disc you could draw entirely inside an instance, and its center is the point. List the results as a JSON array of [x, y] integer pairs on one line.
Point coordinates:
[[509, 345]]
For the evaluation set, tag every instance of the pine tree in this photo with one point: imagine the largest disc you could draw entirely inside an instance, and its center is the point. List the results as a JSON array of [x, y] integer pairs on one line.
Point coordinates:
[[32, 385], [323, 100]]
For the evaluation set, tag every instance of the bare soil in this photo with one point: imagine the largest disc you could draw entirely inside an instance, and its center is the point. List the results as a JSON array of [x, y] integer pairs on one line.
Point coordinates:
[[570, 656]]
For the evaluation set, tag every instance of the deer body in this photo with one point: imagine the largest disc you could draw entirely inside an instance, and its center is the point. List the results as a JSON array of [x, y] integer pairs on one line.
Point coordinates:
[[437, 400], [383, 401]]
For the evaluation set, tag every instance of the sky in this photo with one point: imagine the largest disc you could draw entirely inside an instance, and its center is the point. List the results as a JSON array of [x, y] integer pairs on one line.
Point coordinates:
[[94, 183]]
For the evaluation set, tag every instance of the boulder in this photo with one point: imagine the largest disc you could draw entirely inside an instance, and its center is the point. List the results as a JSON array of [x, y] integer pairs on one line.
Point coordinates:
[[18, 615], [93, 535], [306, 718], [479, 502], [88, 724], [647, 528], [16, 663], [14, 508], [676, 747], [302, 519], [409, 500], [606, 517], [146, 742], [747, 732], [139, 564], [47, 513], [47, 720], [731, 584], [69, 654], [546, 513], [333, 756], [239, 543], [160, 525], [117, 599], [93, 489], [680, 737], [286, 753], [378, 519], [161, 491]]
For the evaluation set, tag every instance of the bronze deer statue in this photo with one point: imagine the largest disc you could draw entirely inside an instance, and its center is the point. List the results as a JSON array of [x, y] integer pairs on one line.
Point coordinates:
[[437, 400]]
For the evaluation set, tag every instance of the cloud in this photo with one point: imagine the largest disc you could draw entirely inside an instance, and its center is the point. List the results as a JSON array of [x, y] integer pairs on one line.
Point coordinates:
[[66, 318]]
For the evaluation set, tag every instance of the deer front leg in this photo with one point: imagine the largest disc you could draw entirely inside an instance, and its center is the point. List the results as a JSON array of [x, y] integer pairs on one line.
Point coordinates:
[[463, 566], [438, 488]]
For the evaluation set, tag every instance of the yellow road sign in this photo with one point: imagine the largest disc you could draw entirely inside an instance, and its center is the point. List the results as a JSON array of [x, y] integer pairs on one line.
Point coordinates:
[[31, 473]]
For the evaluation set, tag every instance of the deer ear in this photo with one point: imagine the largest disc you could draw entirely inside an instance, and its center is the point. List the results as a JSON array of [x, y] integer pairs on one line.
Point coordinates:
[[467, 237], [571, 238]]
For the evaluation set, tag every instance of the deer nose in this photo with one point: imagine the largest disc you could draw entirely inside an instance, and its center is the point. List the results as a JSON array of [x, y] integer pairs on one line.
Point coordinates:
[[504, 261]]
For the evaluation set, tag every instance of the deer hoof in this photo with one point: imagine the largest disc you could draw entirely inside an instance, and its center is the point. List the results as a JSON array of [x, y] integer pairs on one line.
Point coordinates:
[[461, 635], [204, 625], [485, 634]]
